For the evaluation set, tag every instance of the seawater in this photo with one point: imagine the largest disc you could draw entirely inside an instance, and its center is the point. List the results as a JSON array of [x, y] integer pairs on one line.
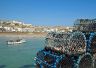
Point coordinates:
[[19, 55]]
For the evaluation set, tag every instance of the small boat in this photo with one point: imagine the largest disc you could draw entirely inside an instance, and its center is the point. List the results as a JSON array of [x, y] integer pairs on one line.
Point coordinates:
[[17, 41]]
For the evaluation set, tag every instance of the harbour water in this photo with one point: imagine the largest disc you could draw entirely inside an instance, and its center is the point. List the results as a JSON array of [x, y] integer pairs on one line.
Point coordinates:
[[19, 55]]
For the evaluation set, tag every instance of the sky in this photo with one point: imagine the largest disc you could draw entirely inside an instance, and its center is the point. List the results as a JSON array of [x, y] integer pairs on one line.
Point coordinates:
[[47, 12]]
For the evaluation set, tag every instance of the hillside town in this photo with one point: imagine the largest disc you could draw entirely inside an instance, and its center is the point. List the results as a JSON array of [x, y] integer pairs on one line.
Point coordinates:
[[17, 26]]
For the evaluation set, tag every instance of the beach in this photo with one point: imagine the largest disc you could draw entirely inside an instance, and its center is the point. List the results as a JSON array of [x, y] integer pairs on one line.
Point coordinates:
[[23, 34]]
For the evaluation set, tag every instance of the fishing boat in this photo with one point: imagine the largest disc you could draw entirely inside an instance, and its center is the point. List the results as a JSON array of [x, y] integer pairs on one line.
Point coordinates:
[[17, 41]]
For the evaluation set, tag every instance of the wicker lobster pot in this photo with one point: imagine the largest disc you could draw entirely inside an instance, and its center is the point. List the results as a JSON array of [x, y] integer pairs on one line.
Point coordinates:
[[69, 42]]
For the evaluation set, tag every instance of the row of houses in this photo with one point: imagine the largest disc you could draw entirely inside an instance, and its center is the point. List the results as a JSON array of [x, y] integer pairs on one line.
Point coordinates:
[[15, 26], [35, 29]]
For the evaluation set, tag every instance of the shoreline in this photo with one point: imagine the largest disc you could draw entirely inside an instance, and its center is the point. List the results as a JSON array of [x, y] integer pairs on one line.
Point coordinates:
[[23, 34]]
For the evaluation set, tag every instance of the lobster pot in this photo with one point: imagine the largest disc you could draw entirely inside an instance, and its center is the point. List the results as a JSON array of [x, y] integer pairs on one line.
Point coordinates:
[[70, 42], [57, 39], [85, 61], [77, 43], [92, 40], [85, 25]]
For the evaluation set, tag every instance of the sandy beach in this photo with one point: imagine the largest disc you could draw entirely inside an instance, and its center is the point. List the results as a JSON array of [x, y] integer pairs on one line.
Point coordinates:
[[23, 34]]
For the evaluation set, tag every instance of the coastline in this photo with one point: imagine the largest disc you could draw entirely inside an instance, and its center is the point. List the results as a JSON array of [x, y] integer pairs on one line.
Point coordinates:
[[23, 34]]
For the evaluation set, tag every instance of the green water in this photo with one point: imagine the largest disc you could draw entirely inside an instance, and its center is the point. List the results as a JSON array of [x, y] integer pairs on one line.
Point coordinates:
[[21, 55]]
